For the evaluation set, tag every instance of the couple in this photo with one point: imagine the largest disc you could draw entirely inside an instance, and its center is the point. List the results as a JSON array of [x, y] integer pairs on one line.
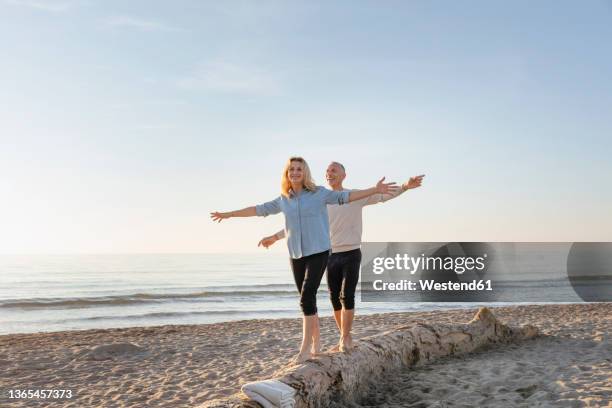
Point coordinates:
[[307, 227]]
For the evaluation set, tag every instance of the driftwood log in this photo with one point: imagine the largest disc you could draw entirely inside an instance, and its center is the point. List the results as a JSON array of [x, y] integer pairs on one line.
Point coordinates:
[[347, 376]]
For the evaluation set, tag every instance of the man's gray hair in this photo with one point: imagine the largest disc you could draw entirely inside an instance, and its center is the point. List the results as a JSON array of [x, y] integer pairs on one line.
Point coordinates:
[[339, 164]]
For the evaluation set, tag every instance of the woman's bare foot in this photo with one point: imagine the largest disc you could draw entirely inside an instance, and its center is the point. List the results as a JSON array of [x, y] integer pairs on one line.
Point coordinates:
[[346, 343], [301, 357], [315, 349], [335, 349]]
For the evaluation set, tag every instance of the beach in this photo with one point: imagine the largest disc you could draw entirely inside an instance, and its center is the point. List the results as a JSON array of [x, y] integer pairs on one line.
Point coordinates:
[[187, 365]]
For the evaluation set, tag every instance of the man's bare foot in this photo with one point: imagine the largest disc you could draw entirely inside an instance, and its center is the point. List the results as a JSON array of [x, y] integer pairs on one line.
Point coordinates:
[[346, 343], [301, 357]]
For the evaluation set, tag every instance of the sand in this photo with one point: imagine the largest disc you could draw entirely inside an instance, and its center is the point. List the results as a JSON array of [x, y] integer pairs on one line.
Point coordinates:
[[186, 365]]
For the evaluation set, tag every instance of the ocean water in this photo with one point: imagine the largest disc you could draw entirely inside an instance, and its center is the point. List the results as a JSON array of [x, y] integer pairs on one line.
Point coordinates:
[[68, 292], [73, 292]]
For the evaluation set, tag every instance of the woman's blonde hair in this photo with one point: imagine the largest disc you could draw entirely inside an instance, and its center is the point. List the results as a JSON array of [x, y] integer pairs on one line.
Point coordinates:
[[308, 183]]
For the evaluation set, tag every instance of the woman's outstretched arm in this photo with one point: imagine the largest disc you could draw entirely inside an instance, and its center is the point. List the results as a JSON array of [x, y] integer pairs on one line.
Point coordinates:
[[261, 210], [413, 182], [245, 212], [381, 187]]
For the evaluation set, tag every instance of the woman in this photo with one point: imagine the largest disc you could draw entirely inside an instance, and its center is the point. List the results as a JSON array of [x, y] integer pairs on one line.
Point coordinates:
[[304, 205]]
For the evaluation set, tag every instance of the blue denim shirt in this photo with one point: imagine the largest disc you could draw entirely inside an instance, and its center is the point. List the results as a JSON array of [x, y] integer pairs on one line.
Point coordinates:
[[306, 221]]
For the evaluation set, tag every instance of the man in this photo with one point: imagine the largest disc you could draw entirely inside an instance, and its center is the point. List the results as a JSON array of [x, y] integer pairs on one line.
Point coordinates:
[[345, 227]]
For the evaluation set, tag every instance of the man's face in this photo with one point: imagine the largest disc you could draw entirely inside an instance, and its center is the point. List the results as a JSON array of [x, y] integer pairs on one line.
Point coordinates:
[[334, 175]]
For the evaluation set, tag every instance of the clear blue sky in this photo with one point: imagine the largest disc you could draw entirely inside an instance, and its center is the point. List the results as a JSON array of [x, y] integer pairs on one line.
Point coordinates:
[[124, 123]]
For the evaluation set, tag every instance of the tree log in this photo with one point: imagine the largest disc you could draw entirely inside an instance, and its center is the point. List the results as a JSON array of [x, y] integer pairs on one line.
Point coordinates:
[[347, 376]]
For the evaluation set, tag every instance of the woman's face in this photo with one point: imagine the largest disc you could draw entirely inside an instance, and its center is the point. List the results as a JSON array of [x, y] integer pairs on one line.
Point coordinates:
[[296, 172]]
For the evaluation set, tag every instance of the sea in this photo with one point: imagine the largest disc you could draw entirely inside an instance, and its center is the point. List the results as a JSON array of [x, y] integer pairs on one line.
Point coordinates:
[[45, 293]]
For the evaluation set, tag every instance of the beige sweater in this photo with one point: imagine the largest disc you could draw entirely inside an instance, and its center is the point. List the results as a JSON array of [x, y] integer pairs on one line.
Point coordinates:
[[345, 221]]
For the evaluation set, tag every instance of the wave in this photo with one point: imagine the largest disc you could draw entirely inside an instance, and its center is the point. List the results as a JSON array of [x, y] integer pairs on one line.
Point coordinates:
[[179, 314], [138, 298]]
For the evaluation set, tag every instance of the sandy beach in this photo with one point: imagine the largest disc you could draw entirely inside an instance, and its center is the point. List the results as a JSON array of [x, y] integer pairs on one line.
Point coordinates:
[[186, 365]]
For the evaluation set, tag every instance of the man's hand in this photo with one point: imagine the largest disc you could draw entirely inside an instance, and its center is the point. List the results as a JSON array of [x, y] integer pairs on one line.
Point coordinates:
[[414, 182], [267, 241]]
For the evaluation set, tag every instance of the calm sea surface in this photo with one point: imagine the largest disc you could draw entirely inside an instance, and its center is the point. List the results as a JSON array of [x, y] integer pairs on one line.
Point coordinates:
[[66, 292]]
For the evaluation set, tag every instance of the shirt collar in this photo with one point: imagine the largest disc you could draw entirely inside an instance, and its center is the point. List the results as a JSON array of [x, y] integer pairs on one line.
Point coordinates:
[[294, 194]]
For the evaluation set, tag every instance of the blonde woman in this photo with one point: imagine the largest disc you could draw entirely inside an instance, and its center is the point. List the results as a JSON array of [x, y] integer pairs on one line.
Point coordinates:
[[304, 205]]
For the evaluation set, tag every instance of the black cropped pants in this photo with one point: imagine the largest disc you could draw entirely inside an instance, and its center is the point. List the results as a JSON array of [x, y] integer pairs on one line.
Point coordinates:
[[307, 273], [342, 278]]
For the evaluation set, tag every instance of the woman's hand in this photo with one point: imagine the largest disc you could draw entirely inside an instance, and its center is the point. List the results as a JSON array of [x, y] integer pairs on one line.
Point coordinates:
[[386, 188], [414, 182], [245, 212], [267, 241], [381, 187], [219, 216]]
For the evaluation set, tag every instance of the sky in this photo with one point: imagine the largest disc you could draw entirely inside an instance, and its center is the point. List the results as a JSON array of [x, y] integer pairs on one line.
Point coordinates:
[[123, 124]]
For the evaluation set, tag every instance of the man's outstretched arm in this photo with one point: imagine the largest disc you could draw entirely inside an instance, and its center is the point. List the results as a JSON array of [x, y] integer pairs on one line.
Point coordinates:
[[268, 241]]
